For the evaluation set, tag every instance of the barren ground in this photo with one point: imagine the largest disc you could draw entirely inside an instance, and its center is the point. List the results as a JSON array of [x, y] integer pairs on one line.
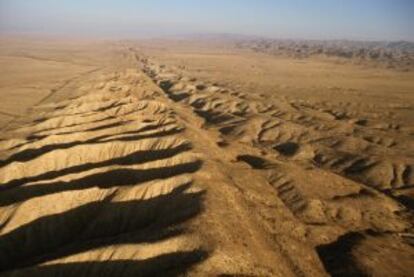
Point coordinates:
[[169, 158]]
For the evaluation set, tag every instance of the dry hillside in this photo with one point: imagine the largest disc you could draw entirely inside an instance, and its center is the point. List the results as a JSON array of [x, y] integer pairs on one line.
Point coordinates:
[[157, 158]]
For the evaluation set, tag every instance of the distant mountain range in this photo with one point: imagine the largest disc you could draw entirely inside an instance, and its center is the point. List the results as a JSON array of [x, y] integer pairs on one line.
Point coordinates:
[[396, 54]]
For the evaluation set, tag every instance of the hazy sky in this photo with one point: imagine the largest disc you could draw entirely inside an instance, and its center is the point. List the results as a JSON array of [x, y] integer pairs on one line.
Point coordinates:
[[314, 19]]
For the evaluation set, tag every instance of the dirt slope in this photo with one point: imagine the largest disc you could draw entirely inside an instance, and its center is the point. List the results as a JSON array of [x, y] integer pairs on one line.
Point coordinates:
[[139, 169]]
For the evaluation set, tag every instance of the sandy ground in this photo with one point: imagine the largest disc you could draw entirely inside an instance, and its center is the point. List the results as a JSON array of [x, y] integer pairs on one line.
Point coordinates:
[[180, 158]]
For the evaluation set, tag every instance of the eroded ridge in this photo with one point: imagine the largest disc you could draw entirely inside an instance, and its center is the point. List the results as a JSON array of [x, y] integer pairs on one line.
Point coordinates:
[[100, 184], [320, 178], [377, 154], [153, 172]]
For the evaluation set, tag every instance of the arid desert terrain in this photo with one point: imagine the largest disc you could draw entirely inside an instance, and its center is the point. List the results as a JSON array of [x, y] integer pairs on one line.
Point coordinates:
[[206, 157]]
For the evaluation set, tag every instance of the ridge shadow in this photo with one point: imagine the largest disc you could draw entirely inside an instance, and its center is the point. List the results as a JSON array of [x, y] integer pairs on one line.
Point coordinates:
[[113, 178], [98, 224]]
